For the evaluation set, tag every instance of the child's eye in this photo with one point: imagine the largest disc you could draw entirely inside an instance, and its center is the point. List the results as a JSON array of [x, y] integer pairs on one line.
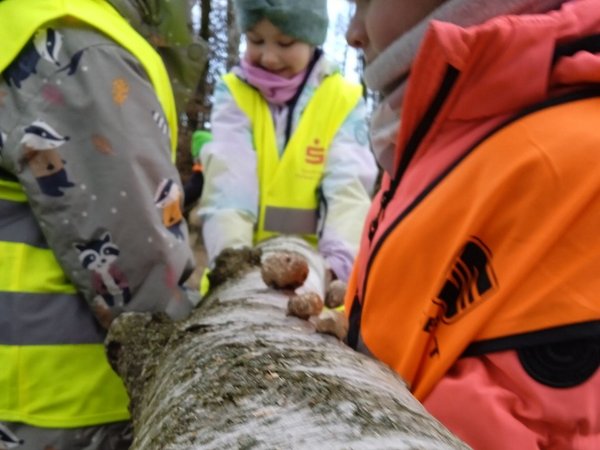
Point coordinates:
[[254, 39], [286, 43]]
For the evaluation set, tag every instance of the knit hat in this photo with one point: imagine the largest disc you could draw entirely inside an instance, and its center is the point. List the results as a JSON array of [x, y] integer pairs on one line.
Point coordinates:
[[305, 20]]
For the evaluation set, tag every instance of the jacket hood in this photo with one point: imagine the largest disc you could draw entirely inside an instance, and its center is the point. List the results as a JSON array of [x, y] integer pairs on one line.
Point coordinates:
[[389, 72], [393, 65], [167, 25], [465, 82], [507, 63]]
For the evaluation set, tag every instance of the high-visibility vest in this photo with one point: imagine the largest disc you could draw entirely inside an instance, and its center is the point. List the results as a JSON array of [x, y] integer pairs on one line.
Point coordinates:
[[502, 251], [289, 185], [19, 24], [54, 372]]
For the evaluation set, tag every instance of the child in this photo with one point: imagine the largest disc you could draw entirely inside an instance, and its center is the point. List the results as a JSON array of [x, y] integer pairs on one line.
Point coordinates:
[[477, 278], [290, 153], [90, 210]]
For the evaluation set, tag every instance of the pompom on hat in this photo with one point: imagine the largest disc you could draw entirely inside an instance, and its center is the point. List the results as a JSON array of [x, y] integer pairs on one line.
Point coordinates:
[[305, 20]]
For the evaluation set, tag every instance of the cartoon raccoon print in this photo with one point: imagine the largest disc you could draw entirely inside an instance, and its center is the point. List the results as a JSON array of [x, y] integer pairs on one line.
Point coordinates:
[[40, 142], [168, 198], [46, 44], [99, 257]]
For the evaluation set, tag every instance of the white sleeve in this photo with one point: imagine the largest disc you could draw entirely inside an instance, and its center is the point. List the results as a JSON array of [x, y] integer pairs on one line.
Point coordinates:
[[229, 204]]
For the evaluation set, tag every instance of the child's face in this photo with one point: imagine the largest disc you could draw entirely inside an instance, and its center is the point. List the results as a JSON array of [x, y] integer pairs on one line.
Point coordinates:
[[267, 47], [378, 23]]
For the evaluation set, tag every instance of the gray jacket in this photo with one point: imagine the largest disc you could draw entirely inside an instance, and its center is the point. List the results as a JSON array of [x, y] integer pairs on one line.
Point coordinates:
[[83, 133]]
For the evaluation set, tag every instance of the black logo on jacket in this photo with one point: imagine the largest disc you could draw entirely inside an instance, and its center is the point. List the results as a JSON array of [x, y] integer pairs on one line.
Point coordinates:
[[470, 278]]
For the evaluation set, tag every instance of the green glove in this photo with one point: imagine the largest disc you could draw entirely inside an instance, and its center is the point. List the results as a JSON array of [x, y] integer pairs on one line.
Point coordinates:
[[199, 138]]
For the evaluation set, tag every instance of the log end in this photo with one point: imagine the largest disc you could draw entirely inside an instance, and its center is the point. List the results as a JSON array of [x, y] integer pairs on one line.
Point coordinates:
[[133, 345], [232, 263]]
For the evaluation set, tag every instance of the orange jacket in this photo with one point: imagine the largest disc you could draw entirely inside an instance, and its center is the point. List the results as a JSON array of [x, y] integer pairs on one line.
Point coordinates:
[[487, 237]]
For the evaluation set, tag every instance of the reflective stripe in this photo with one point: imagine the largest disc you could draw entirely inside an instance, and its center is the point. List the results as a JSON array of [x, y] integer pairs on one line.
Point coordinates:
[[29, 269], [33, 319], [18, 224], [290, 220]]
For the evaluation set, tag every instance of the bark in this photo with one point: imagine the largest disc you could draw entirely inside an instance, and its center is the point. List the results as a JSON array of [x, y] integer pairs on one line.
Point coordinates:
[[241, 374], [233, 38]]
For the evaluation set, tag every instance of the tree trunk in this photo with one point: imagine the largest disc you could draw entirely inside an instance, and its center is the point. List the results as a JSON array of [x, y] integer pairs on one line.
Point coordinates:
[[233, 38], [241, 374]]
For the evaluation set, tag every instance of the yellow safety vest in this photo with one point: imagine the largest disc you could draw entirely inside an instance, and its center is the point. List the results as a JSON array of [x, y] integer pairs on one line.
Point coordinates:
[[289, 202], [67, 383]]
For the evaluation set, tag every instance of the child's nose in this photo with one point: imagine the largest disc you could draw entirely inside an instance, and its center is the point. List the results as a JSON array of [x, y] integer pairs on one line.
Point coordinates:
[[269, 59]]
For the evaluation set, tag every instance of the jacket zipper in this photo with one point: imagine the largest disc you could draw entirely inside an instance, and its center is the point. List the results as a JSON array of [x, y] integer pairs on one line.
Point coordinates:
[[413, 143], [411, 148]]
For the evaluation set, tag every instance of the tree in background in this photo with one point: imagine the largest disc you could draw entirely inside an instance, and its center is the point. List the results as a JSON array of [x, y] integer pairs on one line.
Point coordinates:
[[214, 21]]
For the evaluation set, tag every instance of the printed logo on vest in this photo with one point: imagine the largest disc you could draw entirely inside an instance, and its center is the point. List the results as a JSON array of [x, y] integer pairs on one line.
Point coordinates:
[[315, 154], [469, 280]]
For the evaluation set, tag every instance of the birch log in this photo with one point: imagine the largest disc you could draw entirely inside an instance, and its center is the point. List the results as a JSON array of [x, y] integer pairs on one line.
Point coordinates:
[[241, 374]]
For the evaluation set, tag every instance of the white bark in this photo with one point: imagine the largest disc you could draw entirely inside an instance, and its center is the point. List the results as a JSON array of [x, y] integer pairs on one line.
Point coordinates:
[[241, 374]]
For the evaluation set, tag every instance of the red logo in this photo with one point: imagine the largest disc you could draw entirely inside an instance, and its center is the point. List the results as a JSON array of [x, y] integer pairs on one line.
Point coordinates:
[[314, 153]]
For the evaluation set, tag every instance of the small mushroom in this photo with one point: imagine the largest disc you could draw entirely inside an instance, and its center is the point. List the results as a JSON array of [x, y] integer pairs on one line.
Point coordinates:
[[335, 294], [284, 270], [305, 305], [332, 322]]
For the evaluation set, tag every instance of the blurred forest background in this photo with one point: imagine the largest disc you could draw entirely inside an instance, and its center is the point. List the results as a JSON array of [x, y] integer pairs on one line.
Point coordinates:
[[214, 21]]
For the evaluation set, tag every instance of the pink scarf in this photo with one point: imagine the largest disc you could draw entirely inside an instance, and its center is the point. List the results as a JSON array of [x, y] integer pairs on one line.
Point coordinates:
[[276, 90]]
